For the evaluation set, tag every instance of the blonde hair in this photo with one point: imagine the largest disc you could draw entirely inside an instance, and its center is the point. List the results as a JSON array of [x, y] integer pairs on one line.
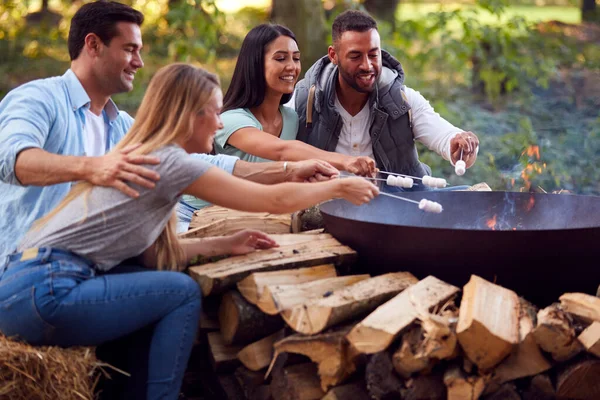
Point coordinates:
[[175, 95]]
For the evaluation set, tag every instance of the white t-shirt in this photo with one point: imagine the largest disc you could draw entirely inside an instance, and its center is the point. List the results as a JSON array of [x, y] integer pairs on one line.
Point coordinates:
[[354, 139], [94, 134], [429, 127]]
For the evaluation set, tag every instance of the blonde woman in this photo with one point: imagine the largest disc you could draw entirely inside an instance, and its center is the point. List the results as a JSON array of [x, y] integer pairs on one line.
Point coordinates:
[[57, 289]]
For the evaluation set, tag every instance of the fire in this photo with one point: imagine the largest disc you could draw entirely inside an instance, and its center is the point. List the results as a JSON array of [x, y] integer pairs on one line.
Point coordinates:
[[491, 223], [534, 166], [532, 150]]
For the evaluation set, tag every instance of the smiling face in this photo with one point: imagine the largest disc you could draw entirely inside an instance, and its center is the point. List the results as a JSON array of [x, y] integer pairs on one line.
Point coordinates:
[[115, 64], [206, 124], [282, 65], [358, 57]]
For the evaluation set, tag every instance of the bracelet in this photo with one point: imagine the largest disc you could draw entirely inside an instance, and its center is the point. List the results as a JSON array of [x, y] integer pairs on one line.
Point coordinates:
[[285, 167]]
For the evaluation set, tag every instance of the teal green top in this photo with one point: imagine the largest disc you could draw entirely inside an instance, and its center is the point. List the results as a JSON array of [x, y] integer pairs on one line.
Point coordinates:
[[239, 118], [234, 120]]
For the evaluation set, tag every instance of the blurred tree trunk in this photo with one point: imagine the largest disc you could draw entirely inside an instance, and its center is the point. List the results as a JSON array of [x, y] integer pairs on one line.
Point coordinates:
[[589, 12], [44, 18], [306, 18], [383, 10]]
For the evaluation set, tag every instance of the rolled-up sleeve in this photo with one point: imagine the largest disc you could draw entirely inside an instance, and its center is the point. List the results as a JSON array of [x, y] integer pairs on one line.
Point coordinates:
[[26, 117], [222, 161]]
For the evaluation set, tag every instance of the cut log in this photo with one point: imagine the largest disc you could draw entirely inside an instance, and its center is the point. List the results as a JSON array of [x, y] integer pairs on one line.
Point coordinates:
[[328, 350], [580, 380], [218, 276], [258, 355], [590, 339], [432, 339], [584, 306], [354, 391], [488, 322], [381, 381], [214, 213], [230, 387], [555, 334], [527, 358], [381, 327], [223, 358], [462, 387], [346, 303], [207, 323], [277, 298], [253, 286], [296, 382], [540, 388], [307, 220], [242, 322]]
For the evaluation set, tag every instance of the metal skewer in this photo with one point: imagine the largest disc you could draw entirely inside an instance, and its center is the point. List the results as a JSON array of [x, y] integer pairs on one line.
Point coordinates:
[[397, 174], [399, 197]]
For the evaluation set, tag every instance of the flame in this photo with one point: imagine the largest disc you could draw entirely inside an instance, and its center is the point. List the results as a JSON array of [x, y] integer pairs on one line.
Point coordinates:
[[530, 204], [491, 223], [532, 150], [534, 166]]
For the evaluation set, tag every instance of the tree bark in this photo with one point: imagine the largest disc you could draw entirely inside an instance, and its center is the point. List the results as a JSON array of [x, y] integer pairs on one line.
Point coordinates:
[[589, 12], [306, 19], [383, 10]]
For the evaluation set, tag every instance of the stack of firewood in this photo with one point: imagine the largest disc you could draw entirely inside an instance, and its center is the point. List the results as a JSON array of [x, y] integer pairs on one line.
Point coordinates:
[[292, 323]]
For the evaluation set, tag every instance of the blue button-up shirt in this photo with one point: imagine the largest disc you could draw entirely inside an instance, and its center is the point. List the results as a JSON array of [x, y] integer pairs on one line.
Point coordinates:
[[48, 114]]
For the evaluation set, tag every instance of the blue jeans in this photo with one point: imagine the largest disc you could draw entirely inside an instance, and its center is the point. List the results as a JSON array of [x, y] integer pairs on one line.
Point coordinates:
[[53, 297], [185, 213]]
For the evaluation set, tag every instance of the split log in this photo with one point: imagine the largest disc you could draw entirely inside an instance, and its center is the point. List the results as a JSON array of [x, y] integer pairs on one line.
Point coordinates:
[[346, 303], [253, 286], [220, 275], [507, 391], [381, 381], [328, 350], [381, 327], [277, 298], [252, 384], [223, 358], [462, 387], [258, 355], [540, 388], [214, 213], [527, 359], [207, 323], [354, 391], [230, 387], [580, 380], [242, 322], [488, 322], [296, 382], [433, 339], [584, 306], [590, 339], [425, 387], [555, 334]]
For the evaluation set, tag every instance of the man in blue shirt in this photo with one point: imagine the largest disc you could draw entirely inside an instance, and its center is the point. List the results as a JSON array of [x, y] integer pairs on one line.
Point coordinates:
[[57, 130]]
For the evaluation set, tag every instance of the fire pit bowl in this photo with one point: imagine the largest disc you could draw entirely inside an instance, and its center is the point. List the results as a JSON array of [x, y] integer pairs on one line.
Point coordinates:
[[539, 245]]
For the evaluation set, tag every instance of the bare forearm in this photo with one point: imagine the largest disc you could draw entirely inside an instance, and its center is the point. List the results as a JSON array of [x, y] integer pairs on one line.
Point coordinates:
[[206, 247], [40, 168], [295, 150], [267, 172], [290, 197]]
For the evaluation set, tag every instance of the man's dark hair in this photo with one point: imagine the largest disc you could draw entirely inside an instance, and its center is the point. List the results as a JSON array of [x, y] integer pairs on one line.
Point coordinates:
[[101, 18], [351, 20], [248, 84]]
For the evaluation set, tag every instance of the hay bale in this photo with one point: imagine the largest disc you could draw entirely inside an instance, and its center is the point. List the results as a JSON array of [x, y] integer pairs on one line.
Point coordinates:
[[47, 372]]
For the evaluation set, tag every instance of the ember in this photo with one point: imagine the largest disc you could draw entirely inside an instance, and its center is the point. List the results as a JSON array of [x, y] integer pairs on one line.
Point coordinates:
[[491, 223], [530, 204]]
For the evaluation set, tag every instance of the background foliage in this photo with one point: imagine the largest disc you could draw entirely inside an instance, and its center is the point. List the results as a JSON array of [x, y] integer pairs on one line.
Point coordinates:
[[524, 77]]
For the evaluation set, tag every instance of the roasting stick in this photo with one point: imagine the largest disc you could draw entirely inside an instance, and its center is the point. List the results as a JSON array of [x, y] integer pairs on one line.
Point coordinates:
[[460, 167], [424, 204], [427, 180]]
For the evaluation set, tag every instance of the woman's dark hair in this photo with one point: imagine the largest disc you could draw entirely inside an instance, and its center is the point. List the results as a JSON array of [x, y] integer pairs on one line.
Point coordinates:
[[248, 84], [100, 17]]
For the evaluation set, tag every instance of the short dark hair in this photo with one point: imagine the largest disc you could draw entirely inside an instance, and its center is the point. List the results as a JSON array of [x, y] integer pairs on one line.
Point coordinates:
[[248, 84], [101, 18], [351, 20]]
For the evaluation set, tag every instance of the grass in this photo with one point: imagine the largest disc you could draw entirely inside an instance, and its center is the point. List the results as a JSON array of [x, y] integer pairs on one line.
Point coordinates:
[[531, 13]]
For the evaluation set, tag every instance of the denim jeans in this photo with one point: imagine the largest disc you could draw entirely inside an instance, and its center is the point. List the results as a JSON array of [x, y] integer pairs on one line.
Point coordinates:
[[53, 297], [185, 212]]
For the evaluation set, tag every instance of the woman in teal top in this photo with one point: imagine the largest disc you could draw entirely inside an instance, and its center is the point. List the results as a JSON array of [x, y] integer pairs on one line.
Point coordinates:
[[257, 127]]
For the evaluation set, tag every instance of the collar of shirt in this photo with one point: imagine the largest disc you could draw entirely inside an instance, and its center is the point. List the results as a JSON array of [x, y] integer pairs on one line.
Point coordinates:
[[79, 97]]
